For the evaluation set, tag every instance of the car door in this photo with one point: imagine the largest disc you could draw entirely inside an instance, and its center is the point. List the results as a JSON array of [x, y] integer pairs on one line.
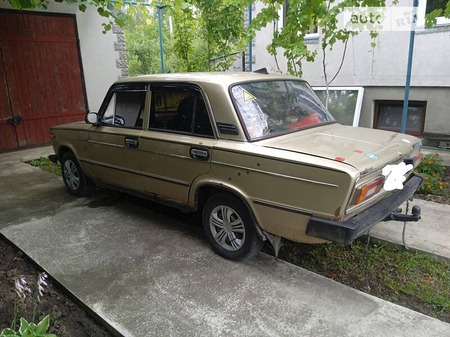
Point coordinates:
[[176, 148], [114, 143]]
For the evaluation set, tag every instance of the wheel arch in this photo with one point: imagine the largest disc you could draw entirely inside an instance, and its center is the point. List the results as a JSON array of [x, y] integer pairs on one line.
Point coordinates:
[[62, 149], [205, 191]]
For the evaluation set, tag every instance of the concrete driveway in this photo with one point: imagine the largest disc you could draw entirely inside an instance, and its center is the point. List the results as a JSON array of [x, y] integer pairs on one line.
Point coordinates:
[[146, 274]]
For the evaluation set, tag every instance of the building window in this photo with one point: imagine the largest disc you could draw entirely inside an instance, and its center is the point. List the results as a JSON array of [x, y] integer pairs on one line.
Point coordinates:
[[388, 116], [344, 103], [428, 6], [313, 31]]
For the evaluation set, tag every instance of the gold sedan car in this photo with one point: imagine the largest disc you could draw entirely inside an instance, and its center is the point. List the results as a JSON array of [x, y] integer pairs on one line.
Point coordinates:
[[257, 155]]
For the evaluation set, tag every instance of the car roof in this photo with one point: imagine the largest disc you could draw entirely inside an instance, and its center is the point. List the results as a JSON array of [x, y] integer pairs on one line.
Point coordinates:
[[223, 78]]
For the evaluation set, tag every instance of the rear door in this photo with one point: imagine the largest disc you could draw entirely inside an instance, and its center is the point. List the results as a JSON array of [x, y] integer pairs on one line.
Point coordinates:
[[114, 145], [176, 149]]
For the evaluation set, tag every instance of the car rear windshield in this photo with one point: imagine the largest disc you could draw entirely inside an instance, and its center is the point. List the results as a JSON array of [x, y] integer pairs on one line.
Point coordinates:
[[270, 108]]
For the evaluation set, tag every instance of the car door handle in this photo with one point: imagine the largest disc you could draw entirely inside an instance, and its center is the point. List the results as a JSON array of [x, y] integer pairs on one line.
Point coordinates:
[[131, 142], [199, 153]]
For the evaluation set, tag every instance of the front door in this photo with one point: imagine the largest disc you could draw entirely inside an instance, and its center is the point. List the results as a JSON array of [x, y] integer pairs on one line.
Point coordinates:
[[114, 145]]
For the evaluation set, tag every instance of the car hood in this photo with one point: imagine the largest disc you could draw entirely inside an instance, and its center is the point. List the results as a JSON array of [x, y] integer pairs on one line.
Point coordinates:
[[363, 148]]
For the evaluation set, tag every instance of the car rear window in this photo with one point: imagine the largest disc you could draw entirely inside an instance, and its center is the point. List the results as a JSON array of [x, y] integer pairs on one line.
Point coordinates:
[[270, 108]]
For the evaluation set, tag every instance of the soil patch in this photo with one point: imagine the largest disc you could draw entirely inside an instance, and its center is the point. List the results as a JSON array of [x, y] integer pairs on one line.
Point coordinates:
[[67, 319]]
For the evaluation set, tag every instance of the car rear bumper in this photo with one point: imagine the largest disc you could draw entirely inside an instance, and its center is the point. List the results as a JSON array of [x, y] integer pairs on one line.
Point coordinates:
[[346, 232]]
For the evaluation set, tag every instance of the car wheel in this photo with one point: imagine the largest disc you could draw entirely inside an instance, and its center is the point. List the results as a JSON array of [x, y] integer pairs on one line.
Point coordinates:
[[74, 178], [230, 228]]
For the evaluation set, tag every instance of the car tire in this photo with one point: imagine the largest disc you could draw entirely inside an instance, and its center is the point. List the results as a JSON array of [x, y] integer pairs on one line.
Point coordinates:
[[230, 228], [74, 178]]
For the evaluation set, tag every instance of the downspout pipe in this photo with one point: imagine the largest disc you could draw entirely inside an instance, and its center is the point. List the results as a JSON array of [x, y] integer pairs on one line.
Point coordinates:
[[409, 67]]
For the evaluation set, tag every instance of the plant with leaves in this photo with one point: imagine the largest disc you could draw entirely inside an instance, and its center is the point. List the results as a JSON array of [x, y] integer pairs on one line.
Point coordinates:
[[28, 329], [224, 30], [189, 43], [109, 9], [206, 36], [300, 18], [433, 170], [443, 9]]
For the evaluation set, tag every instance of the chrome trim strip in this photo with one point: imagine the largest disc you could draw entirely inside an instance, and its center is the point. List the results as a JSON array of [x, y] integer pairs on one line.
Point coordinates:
[[165, 154], [277, 174], [107, 144], [170, 180], [281, 207], [154, 176]]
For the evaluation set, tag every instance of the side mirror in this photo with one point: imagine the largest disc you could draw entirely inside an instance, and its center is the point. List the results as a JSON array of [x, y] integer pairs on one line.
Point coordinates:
[[91, 118]]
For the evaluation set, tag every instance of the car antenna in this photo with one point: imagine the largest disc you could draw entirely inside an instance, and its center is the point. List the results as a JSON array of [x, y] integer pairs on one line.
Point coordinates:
[[262, 71]]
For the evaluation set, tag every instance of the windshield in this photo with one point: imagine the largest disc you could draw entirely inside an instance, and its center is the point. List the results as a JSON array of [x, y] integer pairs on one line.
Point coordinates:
[[270, 108]]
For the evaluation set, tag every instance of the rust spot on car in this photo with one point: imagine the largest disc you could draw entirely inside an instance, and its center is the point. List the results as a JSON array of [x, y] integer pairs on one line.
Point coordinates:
[[337, 211]]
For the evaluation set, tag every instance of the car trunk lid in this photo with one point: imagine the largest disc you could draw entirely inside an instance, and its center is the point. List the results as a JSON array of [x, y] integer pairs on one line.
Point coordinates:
[[363, 148]]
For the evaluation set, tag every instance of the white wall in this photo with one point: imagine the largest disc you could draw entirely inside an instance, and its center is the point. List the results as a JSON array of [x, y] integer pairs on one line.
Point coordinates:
[[97, 50], [386, 64], [363, 66]]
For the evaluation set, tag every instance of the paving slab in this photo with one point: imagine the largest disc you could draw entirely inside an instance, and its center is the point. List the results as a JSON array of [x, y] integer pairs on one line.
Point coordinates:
[[146, 274], [431, 234]]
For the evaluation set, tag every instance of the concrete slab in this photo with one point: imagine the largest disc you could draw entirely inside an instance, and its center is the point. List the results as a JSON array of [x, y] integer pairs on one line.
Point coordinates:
[[150, 275], [431, 234]]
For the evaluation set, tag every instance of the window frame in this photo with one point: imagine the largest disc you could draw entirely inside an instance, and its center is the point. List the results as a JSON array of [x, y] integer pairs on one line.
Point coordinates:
[[118, 88], [421, 12], [312, 37], [359, 99], [376, 115], [158, 85]]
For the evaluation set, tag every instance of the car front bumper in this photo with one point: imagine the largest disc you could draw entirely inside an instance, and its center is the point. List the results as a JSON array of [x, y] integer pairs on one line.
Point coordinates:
[[346, 232]]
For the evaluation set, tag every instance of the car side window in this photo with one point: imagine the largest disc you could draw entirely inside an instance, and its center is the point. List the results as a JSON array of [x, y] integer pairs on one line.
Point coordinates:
[[179, 109], [125, 109]]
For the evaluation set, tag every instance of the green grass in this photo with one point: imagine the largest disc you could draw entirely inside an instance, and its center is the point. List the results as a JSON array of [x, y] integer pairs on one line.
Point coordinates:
[[412, 279], [46, 165]]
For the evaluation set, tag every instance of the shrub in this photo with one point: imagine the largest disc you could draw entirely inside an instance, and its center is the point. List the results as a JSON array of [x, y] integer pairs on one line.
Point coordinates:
[[433, 171]]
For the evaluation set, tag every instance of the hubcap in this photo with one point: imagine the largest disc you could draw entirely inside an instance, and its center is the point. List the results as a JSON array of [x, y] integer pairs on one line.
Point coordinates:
[[71, 175], [227, 228]]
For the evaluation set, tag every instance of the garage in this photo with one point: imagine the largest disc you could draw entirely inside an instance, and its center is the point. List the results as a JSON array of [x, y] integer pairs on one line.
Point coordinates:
[[41, 76]]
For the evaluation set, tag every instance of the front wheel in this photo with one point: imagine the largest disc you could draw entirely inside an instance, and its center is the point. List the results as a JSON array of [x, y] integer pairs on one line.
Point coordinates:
[[74, 178], [230, 228]]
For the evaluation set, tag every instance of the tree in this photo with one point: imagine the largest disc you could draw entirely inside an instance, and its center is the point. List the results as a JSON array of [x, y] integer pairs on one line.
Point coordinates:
[[301, 16], [218, 26], [109, 9], [203, 31]]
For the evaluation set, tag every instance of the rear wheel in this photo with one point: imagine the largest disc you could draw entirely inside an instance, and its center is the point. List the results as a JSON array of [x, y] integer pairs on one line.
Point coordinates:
[[74, 178], [229, 228]]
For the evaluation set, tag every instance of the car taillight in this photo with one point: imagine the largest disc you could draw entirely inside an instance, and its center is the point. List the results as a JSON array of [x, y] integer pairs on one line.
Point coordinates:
[[417, 159], [368, 190]]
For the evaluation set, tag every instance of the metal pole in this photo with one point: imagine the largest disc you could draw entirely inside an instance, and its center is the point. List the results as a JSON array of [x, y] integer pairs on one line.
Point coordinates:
[[161, 49], [250, 45], [409, 67]]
